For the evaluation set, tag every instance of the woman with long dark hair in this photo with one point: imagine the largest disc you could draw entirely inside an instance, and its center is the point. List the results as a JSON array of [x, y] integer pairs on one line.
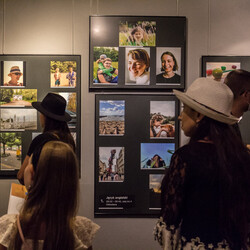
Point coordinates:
[[53, 119], [48, 218], [205, 193]]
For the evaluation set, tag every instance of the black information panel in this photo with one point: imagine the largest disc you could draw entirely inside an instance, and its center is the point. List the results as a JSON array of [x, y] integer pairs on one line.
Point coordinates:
[[25, 79], [135, 137], [137, 53], [213, 66]]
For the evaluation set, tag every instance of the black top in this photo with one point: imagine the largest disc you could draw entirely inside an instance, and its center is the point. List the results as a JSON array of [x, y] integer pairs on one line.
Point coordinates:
[[161, 79], [190, 193], [40, 139]]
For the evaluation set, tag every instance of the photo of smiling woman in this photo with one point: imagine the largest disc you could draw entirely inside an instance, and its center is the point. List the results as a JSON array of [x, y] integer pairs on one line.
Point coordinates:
[[168, 62], [138, 65]]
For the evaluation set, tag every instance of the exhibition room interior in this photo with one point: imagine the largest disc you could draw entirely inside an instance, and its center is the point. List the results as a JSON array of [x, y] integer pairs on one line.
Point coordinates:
[[112, 112]]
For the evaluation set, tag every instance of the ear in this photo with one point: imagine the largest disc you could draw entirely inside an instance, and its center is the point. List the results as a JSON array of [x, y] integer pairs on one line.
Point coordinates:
[[198, 117]]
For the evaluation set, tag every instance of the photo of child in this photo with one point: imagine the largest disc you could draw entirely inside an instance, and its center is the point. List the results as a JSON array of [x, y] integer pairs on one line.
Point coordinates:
[[63, 74], [105, 65], [141, 33]]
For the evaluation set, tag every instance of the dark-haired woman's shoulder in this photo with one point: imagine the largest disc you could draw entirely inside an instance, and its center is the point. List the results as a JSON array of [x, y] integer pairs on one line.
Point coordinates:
[[85, 230], [40, 139]]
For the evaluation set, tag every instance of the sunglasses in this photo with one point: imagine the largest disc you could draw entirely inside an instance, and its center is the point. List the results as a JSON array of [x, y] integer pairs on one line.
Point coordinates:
[[17, 74]]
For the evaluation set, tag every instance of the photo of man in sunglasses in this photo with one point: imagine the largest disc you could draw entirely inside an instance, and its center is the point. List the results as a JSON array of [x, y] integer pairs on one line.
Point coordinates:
[[15, 74]]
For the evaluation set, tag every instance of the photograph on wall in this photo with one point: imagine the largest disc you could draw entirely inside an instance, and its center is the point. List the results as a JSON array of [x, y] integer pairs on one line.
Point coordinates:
[[219, 70], [13, 74], [105, 65], [139, 33], [70, 98], [17, 97], [11, 151], [168, 65], [155, 190], [18, 119], [156, 155], [162, 119], [63, 74], [111, 164], [137, 66], [112, 117]]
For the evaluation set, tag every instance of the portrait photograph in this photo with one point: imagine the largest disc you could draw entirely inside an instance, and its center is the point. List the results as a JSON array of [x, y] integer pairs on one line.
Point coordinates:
[[137, 66], [17, 97], [140, 33], [63, 74], [13, 74], [70, 98], [168, 65], [162, 119], [18, 119], [111, 164], [11, 151], [219, 70], [105, 65], [112, 117], [155, 190], [156, 155]]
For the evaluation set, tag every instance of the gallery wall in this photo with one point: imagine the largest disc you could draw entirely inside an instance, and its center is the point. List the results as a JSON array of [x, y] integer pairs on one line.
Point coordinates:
[[61, 27]]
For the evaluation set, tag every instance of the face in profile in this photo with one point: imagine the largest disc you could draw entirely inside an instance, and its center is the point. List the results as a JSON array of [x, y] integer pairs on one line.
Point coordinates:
[[167, 63], [135, 67], [188, 124]]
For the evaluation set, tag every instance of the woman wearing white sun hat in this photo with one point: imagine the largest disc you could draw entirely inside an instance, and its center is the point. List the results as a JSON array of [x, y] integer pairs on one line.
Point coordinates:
[[205, 193]]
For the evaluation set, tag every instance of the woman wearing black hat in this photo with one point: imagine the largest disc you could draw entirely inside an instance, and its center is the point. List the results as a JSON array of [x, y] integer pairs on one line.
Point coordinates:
[[53, 120]]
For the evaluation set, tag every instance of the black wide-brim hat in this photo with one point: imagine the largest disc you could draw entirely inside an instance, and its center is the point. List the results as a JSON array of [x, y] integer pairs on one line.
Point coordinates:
[[53, 106]]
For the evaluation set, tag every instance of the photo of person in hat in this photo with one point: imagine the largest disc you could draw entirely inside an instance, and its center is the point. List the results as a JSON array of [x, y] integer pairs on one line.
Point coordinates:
[[13, 74], [205, 193], [53, 120]]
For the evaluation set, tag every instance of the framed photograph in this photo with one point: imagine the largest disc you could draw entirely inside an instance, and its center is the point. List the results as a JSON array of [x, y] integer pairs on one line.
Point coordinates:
[[63, 74], [26, 79], [156, 155], [147, 51], [105, 65], [18, 119], [162, 119], [112, 117], [13, 74], [217, 67], [11, 151], [17, 97], [126, 155], [111, 164], [155, 191]]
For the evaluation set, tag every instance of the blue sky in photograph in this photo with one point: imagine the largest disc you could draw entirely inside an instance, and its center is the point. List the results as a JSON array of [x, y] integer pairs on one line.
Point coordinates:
[[148, 150], [112, 107]]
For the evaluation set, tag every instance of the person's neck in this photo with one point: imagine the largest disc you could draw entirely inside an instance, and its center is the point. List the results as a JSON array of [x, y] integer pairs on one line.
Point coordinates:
[[237, 111], [169, 74]]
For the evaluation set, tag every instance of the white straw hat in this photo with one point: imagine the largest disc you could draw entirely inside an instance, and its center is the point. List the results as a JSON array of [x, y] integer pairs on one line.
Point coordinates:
[[210, 98]]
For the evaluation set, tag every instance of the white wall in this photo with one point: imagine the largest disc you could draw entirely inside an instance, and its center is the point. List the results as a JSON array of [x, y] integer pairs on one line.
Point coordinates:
[[61, 27]]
